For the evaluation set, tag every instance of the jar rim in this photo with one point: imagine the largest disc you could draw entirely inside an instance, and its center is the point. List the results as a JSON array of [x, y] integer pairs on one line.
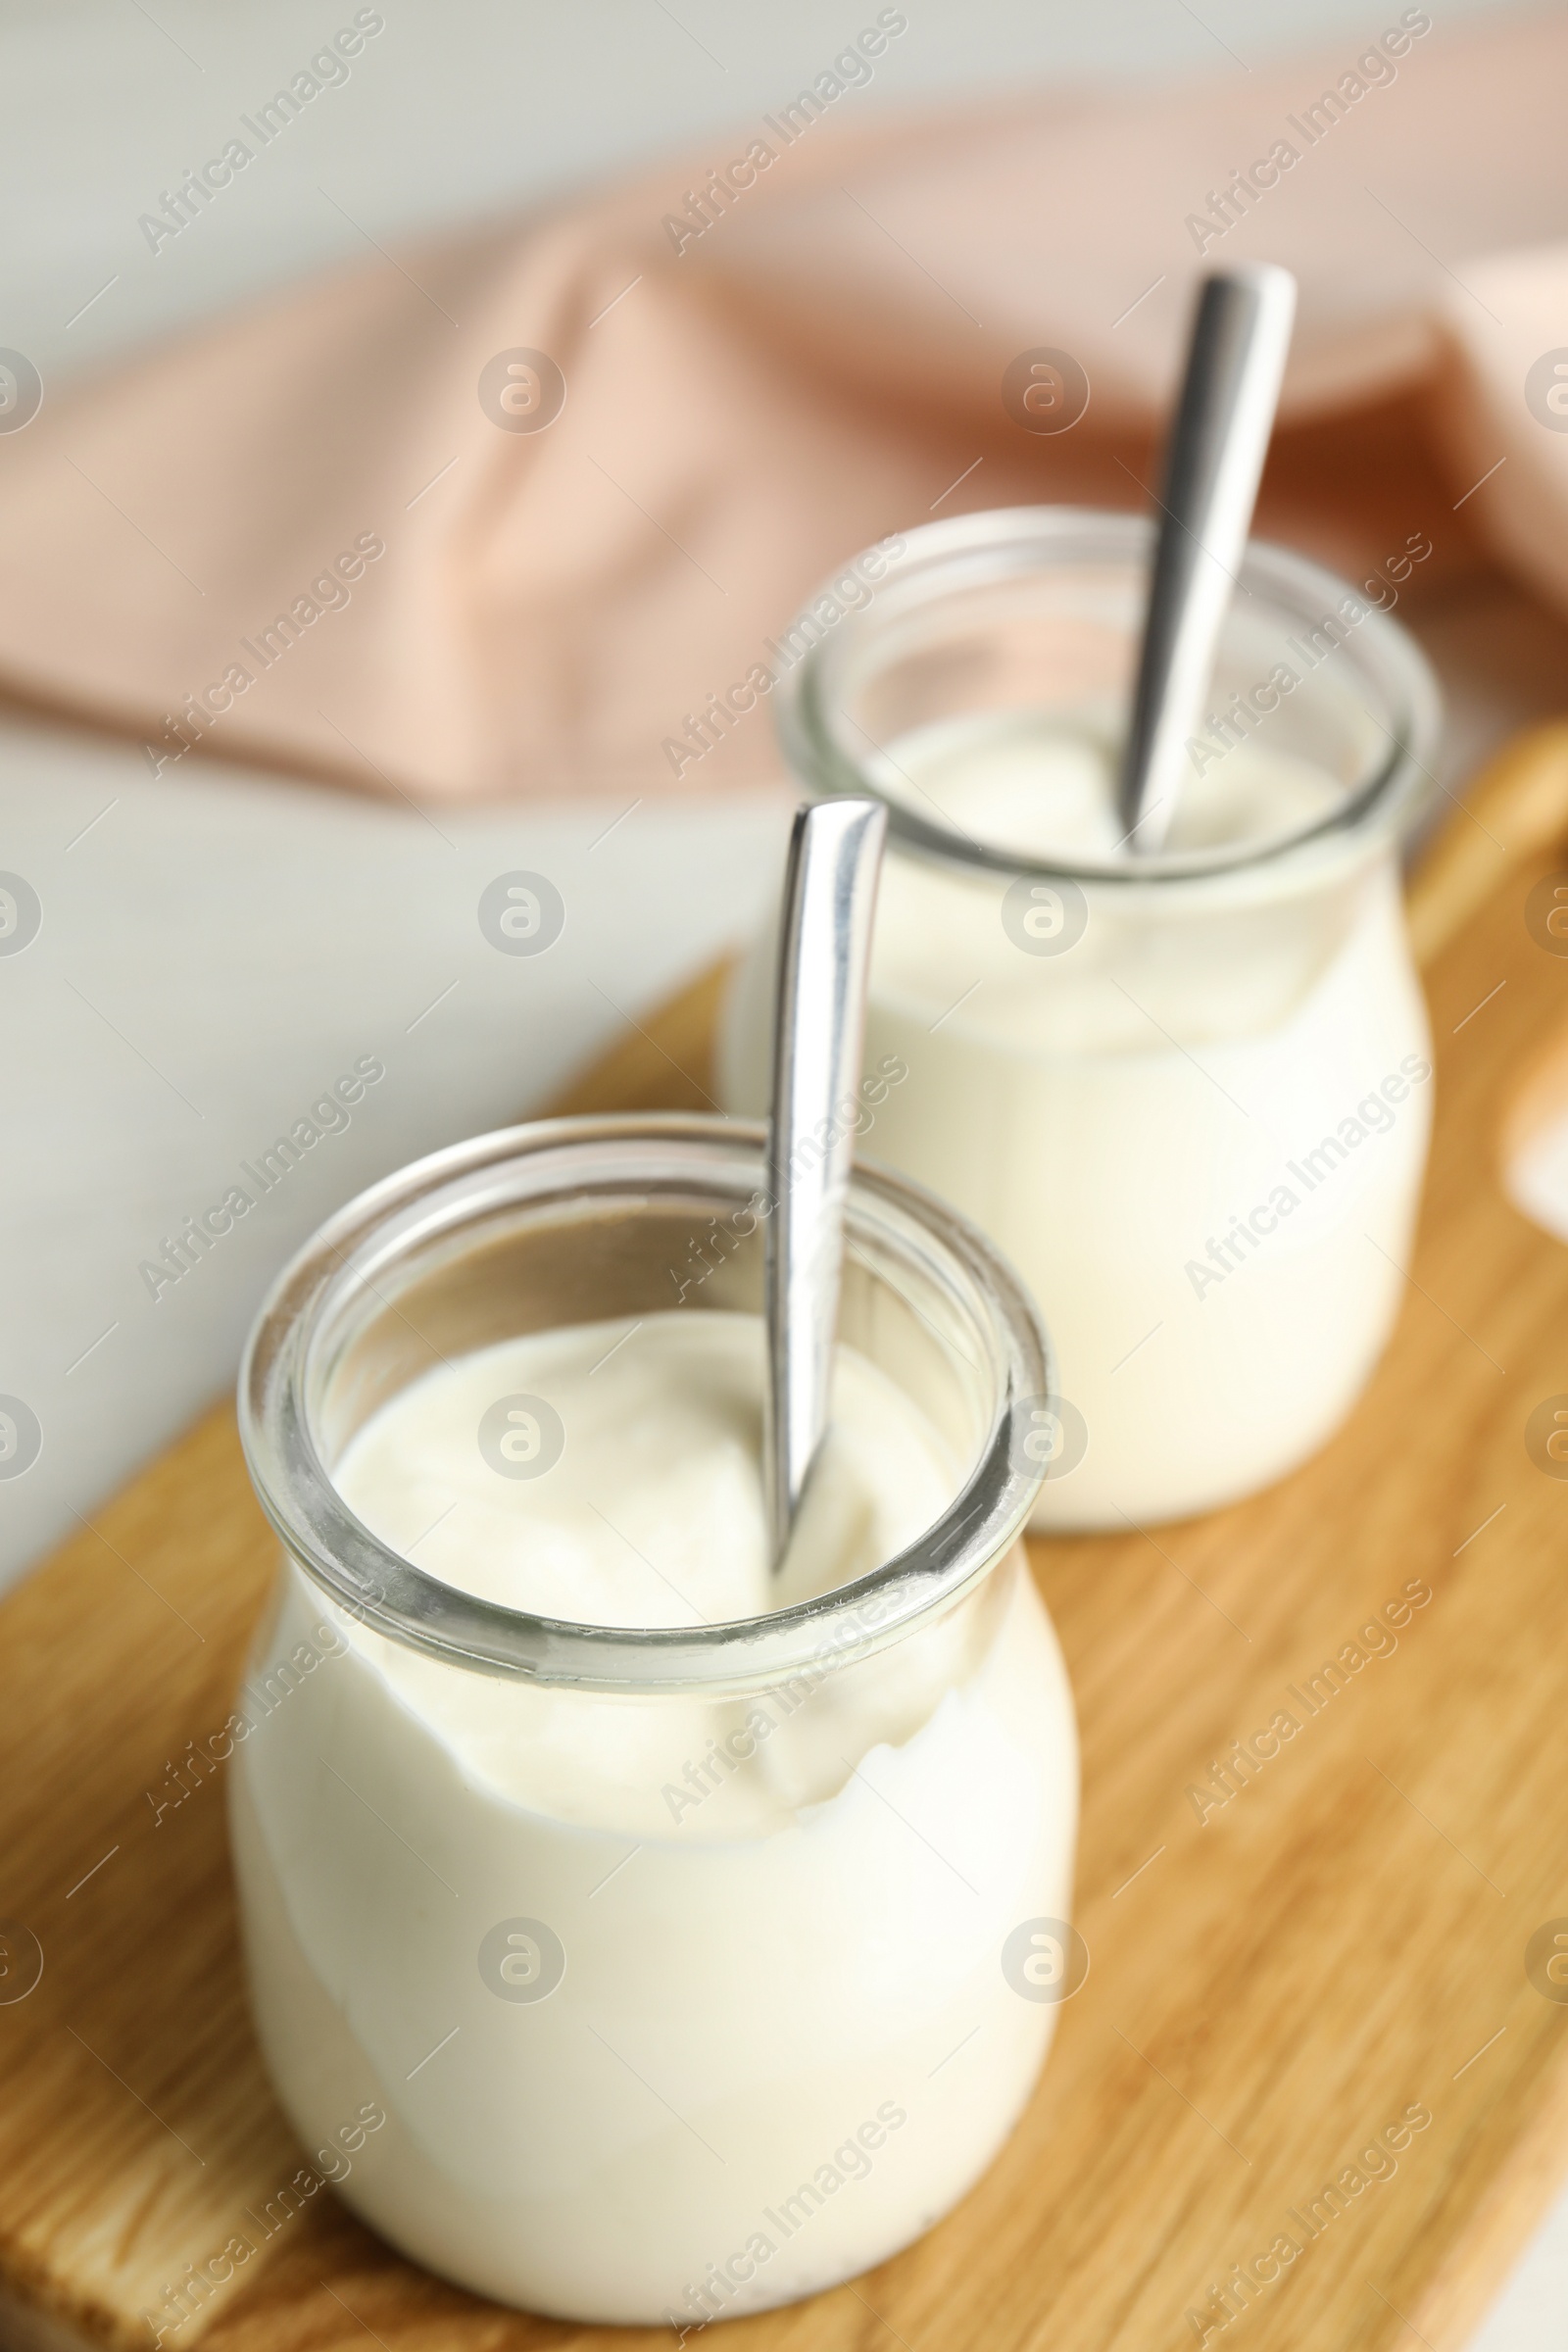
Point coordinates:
[[1012, 542], [633, 1155]]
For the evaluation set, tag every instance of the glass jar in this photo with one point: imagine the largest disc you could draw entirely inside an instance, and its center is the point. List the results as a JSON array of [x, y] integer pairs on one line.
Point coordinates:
[[1188, 1096], [566, 2043]]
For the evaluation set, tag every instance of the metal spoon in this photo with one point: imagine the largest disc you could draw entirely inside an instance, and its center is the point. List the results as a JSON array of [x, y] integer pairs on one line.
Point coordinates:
[[819, 1021], [1231, 388]]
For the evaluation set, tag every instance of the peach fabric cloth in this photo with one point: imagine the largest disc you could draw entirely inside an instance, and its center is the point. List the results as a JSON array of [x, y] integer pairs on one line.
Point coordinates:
[[813, 371]]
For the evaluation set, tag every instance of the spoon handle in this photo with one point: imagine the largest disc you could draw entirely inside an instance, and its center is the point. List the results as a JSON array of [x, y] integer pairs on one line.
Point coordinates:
[[819, 1022], [1241, 333]]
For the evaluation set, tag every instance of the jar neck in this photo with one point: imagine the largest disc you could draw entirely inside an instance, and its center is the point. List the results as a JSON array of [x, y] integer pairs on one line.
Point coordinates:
[[1023, 597], [403, 1257]]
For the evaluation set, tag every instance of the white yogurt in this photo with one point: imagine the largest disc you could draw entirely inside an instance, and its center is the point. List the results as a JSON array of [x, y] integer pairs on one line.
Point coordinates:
[[783, 2042], [1197, 1130]]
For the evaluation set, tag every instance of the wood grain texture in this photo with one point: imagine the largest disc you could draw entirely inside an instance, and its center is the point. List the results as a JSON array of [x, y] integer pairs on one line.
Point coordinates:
[[1271, 1983]]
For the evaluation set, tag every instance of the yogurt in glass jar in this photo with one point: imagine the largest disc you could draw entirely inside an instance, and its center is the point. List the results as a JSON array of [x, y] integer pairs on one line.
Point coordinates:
[[698, 1932], [1188, 1094]]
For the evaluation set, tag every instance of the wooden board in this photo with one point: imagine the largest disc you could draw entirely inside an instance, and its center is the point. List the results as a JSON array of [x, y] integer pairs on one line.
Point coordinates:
[[1271, 1987]]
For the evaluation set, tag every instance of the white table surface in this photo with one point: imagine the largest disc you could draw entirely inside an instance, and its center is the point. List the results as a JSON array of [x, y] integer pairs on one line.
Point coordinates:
[[217, 947]]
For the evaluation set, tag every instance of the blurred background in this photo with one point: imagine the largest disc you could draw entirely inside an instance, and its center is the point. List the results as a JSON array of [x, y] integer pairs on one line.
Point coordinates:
[[220, 946]]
